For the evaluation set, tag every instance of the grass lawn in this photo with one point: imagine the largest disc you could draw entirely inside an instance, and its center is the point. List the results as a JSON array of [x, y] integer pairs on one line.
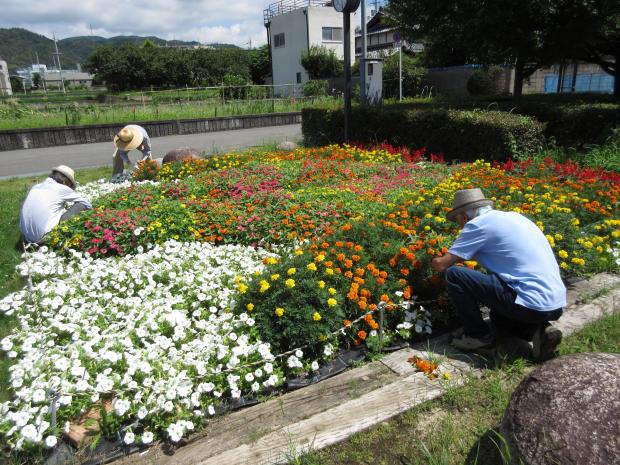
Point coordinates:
[[12, 194], [460, 427]]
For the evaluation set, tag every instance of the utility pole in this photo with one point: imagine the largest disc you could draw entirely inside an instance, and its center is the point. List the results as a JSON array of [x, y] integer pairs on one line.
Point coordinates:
[[43, 74], [363, 57], [57, 55]]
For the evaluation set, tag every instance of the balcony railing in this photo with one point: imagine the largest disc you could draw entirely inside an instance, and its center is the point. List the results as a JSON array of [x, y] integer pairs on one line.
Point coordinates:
[[285, 6]]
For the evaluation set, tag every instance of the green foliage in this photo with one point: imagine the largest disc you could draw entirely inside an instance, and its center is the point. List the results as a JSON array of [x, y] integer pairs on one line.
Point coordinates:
[[321, 62], [412, 74], [316, 88], [260, 64], [462, 135], [480, 83]]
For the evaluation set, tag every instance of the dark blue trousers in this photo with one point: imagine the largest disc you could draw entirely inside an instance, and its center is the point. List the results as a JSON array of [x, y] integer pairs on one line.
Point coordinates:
[[468, 289]]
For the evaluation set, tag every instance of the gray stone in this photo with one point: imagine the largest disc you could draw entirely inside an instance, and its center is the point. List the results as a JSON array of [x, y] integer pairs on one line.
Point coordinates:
[[567, 412], [180, 154], [287, 145]]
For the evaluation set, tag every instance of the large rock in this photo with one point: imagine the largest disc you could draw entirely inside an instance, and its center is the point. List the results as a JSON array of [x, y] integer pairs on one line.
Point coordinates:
[[567, 412], [181, 153], [287, 145]]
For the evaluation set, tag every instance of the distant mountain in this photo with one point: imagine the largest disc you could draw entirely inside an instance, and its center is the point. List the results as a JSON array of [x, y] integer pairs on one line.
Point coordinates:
[[19, 47]]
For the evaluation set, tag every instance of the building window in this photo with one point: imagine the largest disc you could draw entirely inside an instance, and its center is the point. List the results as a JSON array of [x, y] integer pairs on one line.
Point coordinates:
[[332, 34], [278, 40], [298, 78]]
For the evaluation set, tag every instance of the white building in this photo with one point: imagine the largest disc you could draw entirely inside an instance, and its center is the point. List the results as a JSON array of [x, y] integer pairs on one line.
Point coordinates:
[[293, 26], [52, 76], [5, 82]]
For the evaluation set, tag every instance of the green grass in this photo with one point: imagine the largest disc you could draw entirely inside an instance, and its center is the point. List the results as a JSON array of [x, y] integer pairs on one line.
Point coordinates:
[[20, 117], [12, 194], [461, 426]]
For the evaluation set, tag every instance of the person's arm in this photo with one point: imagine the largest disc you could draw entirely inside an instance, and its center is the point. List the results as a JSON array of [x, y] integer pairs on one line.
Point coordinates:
[[70, 196], [441, 264]]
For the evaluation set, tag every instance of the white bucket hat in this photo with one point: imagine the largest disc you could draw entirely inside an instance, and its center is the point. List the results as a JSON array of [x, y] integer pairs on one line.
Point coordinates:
[[67, 172], [466, 199], [128, 138]]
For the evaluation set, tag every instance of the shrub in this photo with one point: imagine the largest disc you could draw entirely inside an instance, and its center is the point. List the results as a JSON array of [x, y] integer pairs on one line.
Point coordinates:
[[316, 88], [411, 73], [480, 83], [462, 135], [321, 62]]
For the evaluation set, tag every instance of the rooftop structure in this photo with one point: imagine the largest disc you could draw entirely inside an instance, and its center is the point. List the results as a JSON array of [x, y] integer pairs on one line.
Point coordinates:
[[286, 6]]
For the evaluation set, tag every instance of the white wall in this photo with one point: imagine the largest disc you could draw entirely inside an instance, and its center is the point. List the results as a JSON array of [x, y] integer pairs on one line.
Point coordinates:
[[5, 82], [287, 59], [300, 32]]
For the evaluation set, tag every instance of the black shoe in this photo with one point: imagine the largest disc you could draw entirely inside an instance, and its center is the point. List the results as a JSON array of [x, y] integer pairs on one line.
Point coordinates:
[[546, 339]]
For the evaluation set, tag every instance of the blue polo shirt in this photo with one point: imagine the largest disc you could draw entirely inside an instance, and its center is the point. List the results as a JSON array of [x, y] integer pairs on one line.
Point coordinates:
[[513, 247]]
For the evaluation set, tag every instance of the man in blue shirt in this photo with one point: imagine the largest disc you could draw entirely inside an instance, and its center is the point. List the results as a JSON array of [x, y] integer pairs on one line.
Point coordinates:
[[523, 288]]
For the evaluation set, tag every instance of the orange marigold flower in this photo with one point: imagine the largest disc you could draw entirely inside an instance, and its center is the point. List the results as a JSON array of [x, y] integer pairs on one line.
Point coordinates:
[[404, 271], [339, 243], [340, 257], [348, 274], [383, 274], [384, 298], [355, 258], [347, 323], [362, 305], [361, 334]]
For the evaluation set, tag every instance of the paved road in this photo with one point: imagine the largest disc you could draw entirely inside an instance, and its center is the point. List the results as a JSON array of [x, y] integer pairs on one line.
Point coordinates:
[[27, 162]]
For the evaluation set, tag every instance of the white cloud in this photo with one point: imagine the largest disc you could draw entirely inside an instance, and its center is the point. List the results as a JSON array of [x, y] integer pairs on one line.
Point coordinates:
[[205, 21]]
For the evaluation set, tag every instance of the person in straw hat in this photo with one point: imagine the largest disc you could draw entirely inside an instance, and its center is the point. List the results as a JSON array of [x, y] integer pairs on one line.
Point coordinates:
[[522, 286], [130, 137], [50, 202]]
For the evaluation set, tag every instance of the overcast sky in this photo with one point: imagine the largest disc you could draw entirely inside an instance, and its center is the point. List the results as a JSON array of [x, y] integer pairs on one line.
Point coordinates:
[[206, 21]]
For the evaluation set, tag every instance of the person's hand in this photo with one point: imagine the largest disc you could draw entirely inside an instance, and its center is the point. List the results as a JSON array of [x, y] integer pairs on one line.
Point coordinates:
[[436, 264]]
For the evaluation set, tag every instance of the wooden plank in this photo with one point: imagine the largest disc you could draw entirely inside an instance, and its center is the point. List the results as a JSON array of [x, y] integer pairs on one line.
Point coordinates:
[[322, 429]]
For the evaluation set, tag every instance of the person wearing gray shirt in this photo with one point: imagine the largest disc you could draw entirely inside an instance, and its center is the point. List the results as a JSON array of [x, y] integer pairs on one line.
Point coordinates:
[[50, 202], [130, 137]]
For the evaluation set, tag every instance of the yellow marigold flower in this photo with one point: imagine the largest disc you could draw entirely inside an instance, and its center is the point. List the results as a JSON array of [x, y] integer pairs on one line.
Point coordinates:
[[290, 283], [264, 285], [242, 288], [550, 239], [563, 254], [291, 271], [575, 221], [588, 244], [332, 302], [271, 260], [319, 258], [250, 307], [316, 316], [331, 290], [563, 265], [427, 228], [311, 266], [279, 312], [558, 237], [275, 277], [329, 271], [321, 284], [299, 252]]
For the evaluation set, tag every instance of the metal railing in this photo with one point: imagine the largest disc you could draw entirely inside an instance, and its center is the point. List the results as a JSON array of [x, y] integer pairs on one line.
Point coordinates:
[[285, 6]]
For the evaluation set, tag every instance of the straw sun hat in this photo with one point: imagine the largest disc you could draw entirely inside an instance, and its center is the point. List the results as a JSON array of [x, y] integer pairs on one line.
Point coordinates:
[[67, 172], [128, 138], [466, 199]]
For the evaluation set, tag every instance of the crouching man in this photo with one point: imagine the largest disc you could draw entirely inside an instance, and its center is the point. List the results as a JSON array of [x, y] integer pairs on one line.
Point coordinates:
[[523, 288], [50, 202]]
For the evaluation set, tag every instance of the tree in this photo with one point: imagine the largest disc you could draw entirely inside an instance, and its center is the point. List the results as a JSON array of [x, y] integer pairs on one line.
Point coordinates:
[[260, 64], [17, 84], [412, 74], [527, 34], [321, 62], [36, 80]]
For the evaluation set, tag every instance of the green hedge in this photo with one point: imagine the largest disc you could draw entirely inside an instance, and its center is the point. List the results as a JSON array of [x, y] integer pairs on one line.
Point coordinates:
[[459, 135]]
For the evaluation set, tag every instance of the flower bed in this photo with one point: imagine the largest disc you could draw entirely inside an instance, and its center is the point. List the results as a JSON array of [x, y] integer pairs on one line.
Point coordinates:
[[218, 278]]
